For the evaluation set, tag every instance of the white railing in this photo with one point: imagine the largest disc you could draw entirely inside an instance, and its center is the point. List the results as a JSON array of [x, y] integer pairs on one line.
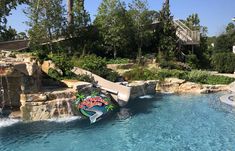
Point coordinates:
[[186, 34]]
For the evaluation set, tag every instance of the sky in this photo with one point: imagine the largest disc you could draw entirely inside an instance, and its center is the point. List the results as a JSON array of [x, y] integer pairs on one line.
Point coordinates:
[[215, 14]]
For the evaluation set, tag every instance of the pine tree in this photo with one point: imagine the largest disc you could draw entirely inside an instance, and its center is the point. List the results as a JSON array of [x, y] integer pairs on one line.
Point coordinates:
[[165, 34]]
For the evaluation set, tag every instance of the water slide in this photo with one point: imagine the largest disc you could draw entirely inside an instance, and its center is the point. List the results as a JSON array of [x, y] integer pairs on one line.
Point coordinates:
[[120, 93]]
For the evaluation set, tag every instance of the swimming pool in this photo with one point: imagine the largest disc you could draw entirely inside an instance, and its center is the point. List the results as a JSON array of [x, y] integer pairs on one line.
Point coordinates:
[[160, 122]]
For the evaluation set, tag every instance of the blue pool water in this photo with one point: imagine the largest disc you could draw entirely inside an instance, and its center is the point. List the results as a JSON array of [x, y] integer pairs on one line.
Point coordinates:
[[161, 123]]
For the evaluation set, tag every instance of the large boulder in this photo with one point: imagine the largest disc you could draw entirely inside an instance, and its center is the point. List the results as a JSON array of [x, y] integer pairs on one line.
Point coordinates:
[[174, 85], [141, 88]]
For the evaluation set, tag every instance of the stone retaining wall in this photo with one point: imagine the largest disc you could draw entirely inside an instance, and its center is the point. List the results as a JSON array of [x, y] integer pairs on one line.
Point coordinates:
[[141, 88], [174, 85], [47, 105]]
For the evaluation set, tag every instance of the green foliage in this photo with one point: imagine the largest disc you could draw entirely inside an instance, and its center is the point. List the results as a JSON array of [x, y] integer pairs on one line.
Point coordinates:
[[46, 20], [5, 8], [193, 22], [114, 25], [118, 61], [111, 75], [21, 35], [230, 28], [92, 63], [80, 16], [8, 34], [54, 74], [80, 97], [225, 42], [96, 65], [173, 65], [94, 93], [204, 77], [199, 58], [219, 80], [140, 18], [196, 76], [85, 78], [139, 73], [165, 33], [165, 73], [192, 61], [224, 62], [63, 62], [110, 107]]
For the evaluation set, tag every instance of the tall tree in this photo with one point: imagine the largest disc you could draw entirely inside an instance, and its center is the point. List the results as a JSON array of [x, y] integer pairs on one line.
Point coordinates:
[[5, 8], [226, 41], [70, 12], [8, 34], [46, 20], [79, 27], [81, 16], [165, 33], [193, 22], [141, 19], [113, 23], [230, 28], [201, 53]]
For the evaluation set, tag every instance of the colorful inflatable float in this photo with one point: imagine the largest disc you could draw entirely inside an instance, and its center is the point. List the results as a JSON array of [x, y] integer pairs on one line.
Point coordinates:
[[93, 106]]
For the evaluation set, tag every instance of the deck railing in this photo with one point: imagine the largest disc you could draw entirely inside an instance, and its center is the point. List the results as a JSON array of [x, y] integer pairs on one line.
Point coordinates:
[[187, 35]]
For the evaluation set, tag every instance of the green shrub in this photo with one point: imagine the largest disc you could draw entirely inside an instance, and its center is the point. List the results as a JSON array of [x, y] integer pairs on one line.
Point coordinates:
[[111, 75], [54, 74], [139, 73], [96, 65], [165, 73], [118, 61], [214, 79], [63, 62], [173, 65], [197, 76], [85, 78], [192, 61], [204, 77], [224, 62], [92, 63]]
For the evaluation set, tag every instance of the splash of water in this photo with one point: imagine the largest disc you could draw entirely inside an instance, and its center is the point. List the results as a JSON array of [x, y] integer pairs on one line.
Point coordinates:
[[8, 91], [4, 122], [69, 109], [146, 97], [58, 105], [64, 119], [2, 96], [143, 89]]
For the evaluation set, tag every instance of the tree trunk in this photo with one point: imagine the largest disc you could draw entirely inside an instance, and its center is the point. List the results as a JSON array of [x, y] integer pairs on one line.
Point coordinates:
[[70, 12], [50, 39], [115, 52], [84, 49], [167, 2]]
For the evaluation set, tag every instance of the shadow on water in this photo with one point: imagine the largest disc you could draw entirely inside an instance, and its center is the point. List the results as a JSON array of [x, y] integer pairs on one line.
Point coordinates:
[[144, 106]]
